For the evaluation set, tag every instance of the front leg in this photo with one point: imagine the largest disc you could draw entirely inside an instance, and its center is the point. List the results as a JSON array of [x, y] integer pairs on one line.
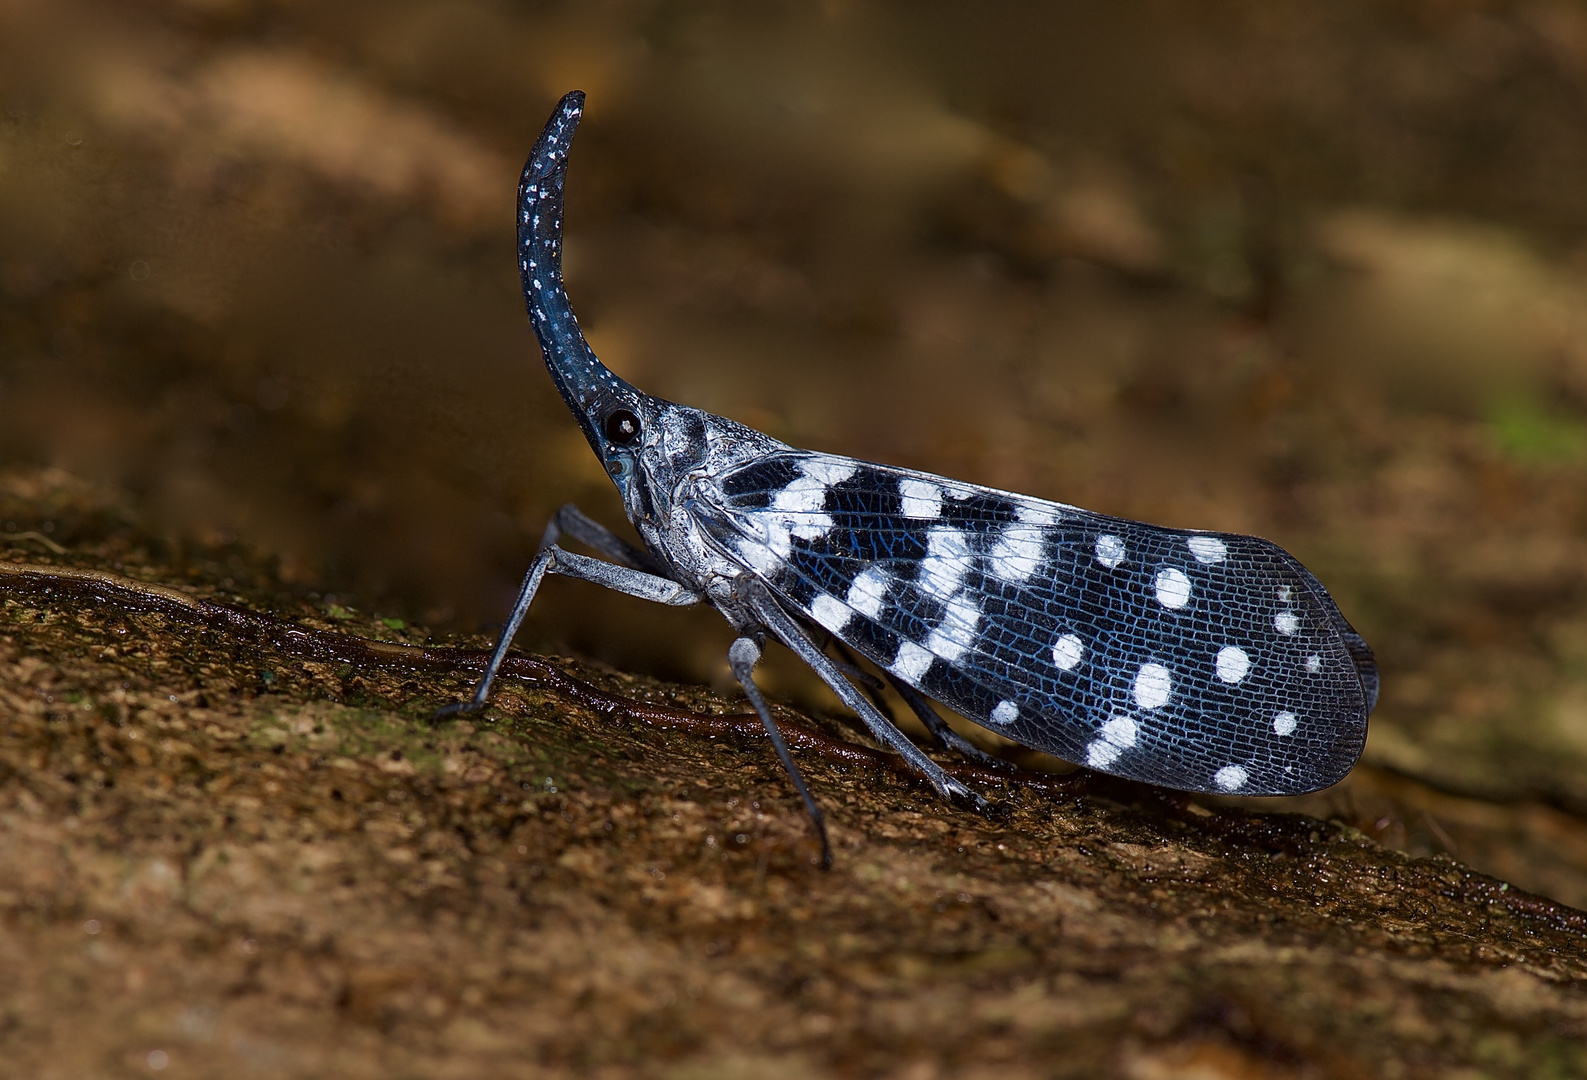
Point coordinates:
[[555, 560], [576, 523]]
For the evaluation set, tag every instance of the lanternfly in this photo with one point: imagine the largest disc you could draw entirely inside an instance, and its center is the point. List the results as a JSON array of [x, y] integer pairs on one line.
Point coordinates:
[[1201, 661]]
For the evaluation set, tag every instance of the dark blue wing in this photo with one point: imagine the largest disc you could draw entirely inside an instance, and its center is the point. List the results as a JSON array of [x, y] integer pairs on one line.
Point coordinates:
[[1201, 661]]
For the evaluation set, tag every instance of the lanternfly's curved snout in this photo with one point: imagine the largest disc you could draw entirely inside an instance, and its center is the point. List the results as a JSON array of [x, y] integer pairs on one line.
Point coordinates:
[[591, 390]]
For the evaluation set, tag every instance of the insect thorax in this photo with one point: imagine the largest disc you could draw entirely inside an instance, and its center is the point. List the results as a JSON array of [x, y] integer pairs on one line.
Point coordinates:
[[685, 453]]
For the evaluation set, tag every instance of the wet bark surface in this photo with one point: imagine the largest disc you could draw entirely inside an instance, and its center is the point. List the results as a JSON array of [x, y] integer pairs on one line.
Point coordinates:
[[232, 842]]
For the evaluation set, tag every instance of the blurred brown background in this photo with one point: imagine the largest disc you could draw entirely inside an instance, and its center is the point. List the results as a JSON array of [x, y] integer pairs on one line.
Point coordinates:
[[1312, 271]]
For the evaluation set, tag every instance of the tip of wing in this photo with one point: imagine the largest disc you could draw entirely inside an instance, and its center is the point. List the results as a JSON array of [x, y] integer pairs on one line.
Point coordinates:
[[1366, 666]]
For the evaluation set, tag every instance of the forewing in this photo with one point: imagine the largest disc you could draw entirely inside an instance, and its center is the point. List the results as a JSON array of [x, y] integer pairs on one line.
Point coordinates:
[[1201, 661]]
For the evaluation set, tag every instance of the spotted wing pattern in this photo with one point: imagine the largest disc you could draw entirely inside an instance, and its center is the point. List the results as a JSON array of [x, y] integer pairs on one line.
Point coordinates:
[[1200, 661]]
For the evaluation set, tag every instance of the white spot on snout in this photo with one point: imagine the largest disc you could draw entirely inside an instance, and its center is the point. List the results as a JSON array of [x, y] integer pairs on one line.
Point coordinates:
[[1068, 651], [1153, 685], [1231, 777], [1110, 550], [1207, 549], [1173, 587], [1233, 663]]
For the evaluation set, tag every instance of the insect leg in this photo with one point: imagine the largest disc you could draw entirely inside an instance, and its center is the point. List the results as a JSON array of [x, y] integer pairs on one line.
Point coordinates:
[[946, 737], [939, 728], [555, 560], [742, 656], [850, 666], [765, 608], [586, 530]]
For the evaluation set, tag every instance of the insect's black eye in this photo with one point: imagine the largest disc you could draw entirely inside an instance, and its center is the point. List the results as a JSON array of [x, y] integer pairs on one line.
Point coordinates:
[[622, 427]]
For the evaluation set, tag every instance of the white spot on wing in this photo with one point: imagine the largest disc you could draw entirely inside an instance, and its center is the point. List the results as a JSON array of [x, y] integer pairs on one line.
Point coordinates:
[[1005, 713], [802, 504], [1101, 753], [1120, 731], [828, 471], [1110, 550], [1018, 553], [1153, 685], [778, 539], [1231, 777], [803, 495], [868, 592], [911, 662], [947, 561], [1233, 663], [1173, 587], [1068, 651], [1314, 663], [956, 634], [1284, 723], [1118, 735], [760, 555], [1037, 514], [1207, 549], [830, 612], [922, 499], [1286, 623]]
